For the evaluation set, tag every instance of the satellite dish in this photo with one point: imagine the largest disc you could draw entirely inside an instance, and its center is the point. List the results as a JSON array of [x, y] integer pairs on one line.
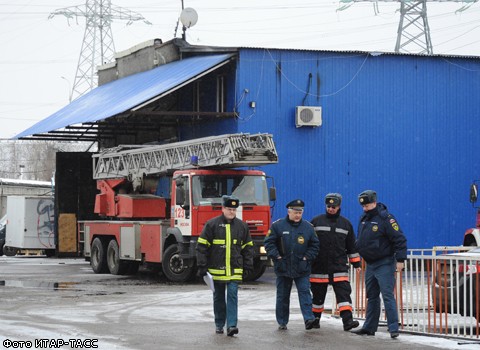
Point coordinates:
[[188, 17]]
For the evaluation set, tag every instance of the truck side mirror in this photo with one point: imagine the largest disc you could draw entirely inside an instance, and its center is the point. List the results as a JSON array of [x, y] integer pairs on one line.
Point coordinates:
[[272, 193], [473, 193]]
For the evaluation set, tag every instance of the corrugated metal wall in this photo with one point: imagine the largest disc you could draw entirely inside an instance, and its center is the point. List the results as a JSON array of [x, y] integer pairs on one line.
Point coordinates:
[[402, 125]]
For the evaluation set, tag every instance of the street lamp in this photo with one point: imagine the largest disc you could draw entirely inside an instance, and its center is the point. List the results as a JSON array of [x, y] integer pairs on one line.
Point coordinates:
[[70, 91]]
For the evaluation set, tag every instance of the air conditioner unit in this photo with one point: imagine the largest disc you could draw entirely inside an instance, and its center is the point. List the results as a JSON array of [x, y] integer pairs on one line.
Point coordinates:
[[308, 116]]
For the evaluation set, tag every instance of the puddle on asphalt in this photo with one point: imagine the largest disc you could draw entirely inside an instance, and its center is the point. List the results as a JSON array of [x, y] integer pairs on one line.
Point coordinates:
[[39, 285], [55, 286]]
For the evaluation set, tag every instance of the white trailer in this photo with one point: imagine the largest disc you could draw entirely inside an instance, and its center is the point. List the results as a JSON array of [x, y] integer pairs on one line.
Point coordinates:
[[30, 224]]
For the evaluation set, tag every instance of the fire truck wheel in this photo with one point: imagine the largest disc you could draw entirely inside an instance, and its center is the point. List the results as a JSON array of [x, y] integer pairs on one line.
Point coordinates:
[[115, 265], [10, 251], [174, 267], [98, 257]]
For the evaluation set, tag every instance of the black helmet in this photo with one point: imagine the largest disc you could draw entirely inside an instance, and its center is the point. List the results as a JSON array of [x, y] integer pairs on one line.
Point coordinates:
[[367, 197], [333, 199]]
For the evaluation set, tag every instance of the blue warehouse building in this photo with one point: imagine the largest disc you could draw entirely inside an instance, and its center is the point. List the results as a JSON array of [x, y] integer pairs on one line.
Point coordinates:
[[403, 125]]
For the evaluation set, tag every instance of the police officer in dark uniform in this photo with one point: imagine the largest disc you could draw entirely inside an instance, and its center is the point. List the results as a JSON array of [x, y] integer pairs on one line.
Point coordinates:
[[292, 245], [383, 246], [337, 250], [225, 248]]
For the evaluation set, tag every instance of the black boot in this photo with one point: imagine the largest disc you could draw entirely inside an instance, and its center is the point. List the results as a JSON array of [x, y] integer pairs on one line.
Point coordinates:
[[362, 331], [318, 316], [350, 324], [231, 331], [309, 324]]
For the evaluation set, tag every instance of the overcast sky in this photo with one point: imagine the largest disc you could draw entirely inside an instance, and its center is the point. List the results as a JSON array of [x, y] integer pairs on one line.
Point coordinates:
[[40, 55]]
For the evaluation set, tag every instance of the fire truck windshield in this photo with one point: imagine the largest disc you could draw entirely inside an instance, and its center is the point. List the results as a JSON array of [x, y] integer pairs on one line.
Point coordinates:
[[249, 189]]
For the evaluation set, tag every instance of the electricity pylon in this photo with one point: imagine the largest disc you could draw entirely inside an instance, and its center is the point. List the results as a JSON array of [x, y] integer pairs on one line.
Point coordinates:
[[97, 46], [413, 34]]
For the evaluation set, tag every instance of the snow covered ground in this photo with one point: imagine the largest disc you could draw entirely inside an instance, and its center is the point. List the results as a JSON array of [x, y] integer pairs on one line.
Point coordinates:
[[49, 298]]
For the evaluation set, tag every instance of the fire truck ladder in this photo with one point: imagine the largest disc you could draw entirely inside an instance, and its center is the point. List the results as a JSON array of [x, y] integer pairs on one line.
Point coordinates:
[[234, 150]]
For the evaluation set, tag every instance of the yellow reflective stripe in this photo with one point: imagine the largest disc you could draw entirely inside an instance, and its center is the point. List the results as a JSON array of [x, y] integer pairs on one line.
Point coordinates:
[[228, 278], [247, 244], [228, 238], [203, 241], [214, 272], [219, 241]]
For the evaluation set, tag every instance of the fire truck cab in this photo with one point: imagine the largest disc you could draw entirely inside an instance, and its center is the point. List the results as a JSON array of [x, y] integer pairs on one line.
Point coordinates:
[[156, 220]]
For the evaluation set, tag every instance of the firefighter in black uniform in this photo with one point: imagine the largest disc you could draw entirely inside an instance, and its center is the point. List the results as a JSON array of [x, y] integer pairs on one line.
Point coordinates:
[[225, 250], [337, 250]]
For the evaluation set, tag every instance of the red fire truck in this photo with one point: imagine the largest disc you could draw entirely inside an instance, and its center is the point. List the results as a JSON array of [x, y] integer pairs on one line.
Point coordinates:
[[155, 200]]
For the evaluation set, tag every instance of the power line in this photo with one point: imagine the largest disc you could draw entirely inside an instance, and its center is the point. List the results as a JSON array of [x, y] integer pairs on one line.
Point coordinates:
[[97, 47], [413, 34]]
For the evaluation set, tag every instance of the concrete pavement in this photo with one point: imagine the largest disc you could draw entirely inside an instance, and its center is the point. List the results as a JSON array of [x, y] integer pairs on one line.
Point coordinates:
[[62, 299]]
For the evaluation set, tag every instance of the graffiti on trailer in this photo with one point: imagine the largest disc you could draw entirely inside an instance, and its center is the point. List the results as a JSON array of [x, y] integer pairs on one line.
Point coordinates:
[[45, 222]]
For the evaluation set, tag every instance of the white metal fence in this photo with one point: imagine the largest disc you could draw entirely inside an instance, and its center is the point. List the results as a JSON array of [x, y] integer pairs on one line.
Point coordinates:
[[437, 293]]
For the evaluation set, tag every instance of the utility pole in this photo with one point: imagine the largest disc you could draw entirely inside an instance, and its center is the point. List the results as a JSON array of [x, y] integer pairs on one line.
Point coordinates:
[[413, 34], [97, 46]]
